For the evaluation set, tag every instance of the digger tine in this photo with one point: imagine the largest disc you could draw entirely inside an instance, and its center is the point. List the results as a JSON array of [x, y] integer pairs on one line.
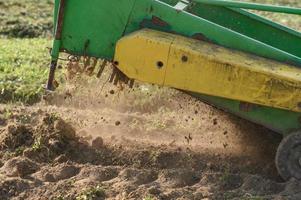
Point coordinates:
[[95, 60], [101, 69], [117, 77], [90, 69], [132, 81], [86, 62], [113, 75], [126, 80]]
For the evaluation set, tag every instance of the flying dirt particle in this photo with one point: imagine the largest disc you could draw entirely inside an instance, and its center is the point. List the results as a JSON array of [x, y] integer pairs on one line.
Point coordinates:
[[214, 121], [19, 166], [97, 143], [196, 112], [225, 145], [225, 132], [188, 138], [117, 123], [112, 92]]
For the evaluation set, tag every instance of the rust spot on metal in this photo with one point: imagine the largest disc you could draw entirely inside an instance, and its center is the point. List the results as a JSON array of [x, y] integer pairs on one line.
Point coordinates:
[[159, 22], [60, 20], [246, 107], [201, 37], [290, 62]]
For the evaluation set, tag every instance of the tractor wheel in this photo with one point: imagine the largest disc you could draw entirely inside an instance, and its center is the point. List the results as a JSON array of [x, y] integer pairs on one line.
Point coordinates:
[[288, 157]]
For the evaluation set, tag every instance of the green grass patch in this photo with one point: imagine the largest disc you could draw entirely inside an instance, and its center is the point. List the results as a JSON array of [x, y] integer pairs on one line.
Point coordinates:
[[23, 69], [26, 18]]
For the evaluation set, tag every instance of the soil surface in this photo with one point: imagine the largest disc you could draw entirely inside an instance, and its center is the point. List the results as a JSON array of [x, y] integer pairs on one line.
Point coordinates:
[[117, 145]]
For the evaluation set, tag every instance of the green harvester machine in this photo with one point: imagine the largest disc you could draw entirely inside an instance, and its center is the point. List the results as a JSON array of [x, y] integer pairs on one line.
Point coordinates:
[[214, 50]]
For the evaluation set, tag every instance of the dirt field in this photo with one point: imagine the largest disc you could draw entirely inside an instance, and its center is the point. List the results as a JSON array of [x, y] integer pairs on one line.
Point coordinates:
[[168, 146], [90, 140]]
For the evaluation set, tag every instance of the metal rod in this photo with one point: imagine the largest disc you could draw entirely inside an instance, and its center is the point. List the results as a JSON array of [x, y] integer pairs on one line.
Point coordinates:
[[251, 6], [49, 85], [60, 20], [57, 44]]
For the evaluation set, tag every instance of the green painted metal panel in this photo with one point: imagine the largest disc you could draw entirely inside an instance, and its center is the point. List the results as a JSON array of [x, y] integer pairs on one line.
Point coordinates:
[[252, 26], [252, 6], [92, 27]]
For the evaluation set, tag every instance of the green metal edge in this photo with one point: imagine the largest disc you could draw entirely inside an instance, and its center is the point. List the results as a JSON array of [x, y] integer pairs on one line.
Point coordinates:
[[252, 25], [280, 121]]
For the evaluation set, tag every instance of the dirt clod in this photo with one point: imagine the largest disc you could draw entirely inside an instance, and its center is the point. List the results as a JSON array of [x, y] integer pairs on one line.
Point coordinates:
[[61, 159], [97, 143], [117, 123], [2, 122], [16, 135], [19, 167], [65, 129]]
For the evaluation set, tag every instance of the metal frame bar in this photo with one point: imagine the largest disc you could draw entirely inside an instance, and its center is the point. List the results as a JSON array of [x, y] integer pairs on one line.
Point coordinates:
[[252, 6]]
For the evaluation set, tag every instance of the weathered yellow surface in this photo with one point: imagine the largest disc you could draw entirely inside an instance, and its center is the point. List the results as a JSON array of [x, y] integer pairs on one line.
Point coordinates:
[[209, 69]]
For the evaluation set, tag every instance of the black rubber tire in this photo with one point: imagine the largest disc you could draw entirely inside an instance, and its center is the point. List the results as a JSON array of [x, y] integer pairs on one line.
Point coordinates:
[[288, 157]]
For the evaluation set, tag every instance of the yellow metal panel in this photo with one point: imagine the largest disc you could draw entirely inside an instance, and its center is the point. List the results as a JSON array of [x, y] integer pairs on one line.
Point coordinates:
[[141, 54], [209, 69]]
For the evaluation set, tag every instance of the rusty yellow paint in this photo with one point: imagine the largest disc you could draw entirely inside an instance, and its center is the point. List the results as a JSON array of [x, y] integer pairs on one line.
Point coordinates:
[[205, 68]]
